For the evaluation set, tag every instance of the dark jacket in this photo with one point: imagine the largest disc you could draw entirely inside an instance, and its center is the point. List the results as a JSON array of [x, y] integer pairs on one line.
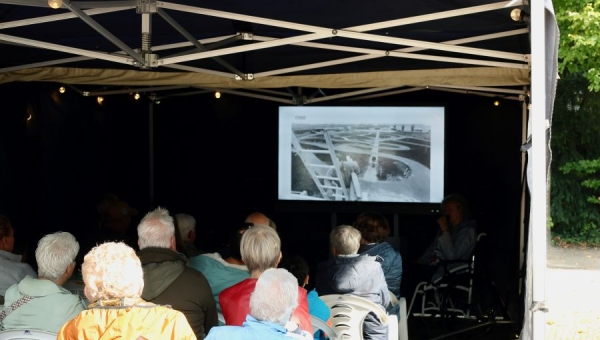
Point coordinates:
[[169, 281], [359, 275], [391, 263]]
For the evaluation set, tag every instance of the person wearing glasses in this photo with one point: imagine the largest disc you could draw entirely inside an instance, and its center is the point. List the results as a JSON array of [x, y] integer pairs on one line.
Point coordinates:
[[42, 303]]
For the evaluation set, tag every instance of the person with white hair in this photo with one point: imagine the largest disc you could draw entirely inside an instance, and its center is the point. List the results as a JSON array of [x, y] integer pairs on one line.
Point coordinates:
[[114, 281], [42, 303], [187, 230], [350, 273], [261, 250], [272, 302], [168, 279]]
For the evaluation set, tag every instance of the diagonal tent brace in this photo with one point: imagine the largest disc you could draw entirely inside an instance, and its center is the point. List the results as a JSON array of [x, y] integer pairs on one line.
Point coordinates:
[[195, 42], [105, 33], [352, 33]]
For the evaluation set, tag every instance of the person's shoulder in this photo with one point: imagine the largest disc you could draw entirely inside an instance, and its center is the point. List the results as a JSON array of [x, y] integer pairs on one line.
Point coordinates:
[[225, 332], [325, 264], [245, 286]]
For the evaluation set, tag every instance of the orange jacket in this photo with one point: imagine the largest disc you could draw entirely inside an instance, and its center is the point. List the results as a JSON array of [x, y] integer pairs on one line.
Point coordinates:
[[145, 321]]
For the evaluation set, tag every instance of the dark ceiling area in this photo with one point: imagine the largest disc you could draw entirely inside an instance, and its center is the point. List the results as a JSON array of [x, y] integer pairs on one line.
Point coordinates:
[[240, 44]]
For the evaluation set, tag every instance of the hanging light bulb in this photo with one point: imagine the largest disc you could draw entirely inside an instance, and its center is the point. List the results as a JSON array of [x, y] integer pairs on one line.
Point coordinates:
[[100, 99], [217, 94], [62, 89], [55, 3], [515, 14], [136, 96], [496, 103]]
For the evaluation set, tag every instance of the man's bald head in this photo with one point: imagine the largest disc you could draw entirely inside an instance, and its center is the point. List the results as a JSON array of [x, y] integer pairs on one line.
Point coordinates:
[[260, 218]]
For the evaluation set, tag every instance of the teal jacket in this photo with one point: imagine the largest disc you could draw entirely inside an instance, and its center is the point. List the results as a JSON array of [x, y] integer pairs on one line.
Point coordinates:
[[51, 307], [220, 274]]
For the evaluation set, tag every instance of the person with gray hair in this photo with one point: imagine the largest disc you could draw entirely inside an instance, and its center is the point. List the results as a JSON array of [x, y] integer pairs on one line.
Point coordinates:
[[187, 229], [350, 273], [44, 304], [168, 279], [261, 250], [454, 241], [114, 282], [274, 298]]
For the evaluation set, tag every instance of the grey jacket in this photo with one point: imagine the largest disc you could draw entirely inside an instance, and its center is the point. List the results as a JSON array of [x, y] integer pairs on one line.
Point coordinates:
[[359, 275]]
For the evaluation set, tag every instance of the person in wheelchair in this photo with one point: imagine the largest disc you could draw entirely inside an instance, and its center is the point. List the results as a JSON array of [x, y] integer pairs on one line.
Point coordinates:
[[455, 241]]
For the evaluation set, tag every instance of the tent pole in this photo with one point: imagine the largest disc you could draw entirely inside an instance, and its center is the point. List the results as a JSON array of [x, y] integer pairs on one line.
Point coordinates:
[[522, 250], [151, 153], [538, 170]]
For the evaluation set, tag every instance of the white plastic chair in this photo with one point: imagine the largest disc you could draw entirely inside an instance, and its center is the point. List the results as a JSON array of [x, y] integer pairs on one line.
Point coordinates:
[[25, 334], [402, 324], [322, 325], [348, 313]]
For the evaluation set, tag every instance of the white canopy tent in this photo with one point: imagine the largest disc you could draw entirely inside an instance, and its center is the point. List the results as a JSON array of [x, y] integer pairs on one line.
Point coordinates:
[[264, 49]]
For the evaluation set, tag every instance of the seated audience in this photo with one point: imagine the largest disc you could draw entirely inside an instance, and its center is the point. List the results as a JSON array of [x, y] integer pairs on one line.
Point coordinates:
[[179, 244], [374, 229], [167, 278], [187, 229], [114, 221], [42, 303], [11, 267], [113, 284], [256, 218], [222, 272], [274, 298], [455, 240], [350, 273], [261, 249], [316, 307]]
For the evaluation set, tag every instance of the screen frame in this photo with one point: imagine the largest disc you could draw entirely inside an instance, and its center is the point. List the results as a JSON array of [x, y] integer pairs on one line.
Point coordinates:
[[432, 114]]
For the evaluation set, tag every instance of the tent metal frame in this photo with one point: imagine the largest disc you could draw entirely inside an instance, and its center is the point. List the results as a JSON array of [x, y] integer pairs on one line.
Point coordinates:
[[144, 57]]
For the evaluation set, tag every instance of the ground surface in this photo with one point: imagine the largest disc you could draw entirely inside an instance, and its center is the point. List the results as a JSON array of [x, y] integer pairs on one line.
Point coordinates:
[[572, 299], [572, 293]]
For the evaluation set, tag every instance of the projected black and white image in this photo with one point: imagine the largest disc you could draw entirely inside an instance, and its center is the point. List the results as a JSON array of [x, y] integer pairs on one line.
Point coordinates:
[[361, 160]]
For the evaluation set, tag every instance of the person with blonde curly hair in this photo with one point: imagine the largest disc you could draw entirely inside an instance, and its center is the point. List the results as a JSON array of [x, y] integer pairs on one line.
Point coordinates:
[[114, 281]]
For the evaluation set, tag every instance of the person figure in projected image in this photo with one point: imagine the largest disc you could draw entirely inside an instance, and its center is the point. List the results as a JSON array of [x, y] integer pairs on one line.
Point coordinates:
[[455, 239]]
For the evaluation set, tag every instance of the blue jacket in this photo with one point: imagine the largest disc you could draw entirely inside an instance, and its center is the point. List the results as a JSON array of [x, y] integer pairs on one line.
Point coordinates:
[[319, 309], [251, 329], [391, 263]]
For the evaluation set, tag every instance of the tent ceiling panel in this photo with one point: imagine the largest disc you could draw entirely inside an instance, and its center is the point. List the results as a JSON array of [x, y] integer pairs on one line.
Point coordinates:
[[263, 42]]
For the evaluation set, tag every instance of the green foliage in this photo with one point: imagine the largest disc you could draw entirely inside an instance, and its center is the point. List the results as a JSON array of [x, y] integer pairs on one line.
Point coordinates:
[[579, 25], [575, 147]]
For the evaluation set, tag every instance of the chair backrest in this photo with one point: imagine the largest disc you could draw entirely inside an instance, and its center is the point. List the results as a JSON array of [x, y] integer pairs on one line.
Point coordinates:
[[319, 324], [348, 313], [25, 334], [393, 299]]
